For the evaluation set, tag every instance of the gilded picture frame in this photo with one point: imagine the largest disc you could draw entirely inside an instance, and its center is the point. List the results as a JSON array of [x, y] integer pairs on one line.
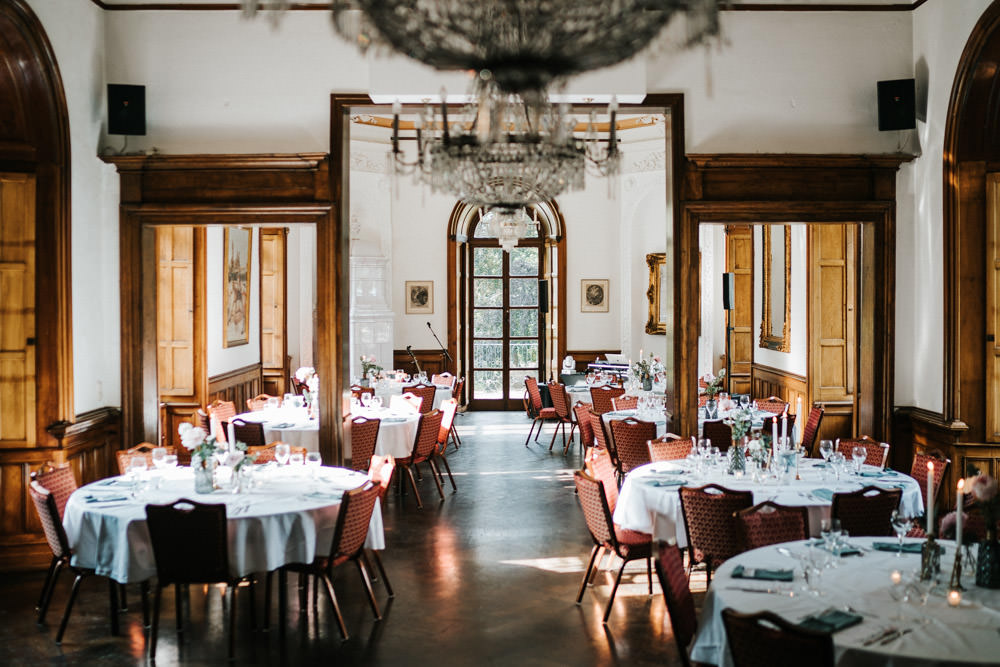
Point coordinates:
[[656, 325], [237, 245], [776, 250]]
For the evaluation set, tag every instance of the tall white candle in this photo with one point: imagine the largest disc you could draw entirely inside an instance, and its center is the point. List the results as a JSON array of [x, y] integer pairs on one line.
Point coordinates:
[[774, 440], [930, 498], [784, 424], [230, 436], [959, 502], [798, 411]]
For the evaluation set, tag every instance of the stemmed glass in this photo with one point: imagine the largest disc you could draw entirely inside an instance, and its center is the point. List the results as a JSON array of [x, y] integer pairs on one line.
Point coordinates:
[[282, 452], [837, 461], [375, 402], [901, 523], [745, 401], [136, 467], [858, 454], [366, 399], [313, 462], [159, 456], [825, 450]]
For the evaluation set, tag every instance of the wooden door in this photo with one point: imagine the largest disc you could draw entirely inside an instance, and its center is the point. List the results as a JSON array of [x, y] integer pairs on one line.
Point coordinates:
[[740, 341], [17, 310], [992, 307], [832, 326], [273, 331]]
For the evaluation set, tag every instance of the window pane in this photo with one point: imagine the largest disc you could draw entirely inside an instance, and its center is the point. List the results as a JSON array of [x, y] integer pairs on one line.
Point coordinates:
[[516, 387], [487, 384], [524, 322], [488, 323], [487, 261], [487, 354], [523, 292], [489, 292], [524, 354], [524, 262]]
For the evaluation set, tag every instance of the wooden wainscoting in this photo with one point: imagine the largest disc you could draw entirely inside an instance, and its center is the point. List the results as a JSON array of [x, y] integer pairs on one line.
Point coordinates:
[[918, 430], [88, 445], [236, 386], [172, 415], [584, 357], [769, 381], [431, 361]]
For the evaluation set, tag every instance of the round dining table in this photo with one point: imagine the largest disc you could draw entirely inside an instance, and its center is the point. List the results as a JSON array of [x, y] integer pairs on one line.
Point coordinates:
[[904, 624], [287, 516], [649, 502], [386, 389]]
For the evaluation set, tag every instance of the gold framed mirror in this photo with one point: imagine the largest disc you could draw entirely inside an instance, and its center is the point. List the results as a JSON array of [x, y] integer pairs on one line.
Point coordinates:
[[657, 322], [777, 287]]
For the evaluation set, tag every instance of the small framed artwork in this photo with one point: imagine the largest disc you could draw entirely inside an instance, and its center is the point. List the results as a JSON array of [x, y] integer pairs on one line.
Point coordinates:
[[419, 297], [236, 285], [593, 296]]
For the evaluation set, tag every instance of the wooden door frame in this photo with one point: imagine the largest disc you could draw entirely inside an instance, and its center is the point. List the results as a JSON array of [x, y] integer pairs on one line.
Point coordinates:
[[207, 190], [786, 189]]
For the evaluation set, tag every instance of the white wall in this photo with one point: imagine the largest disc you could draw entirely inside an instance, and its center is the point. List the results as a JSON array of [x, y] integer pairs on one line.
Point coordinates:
[[220, 359], [796, 360], [301, 316]]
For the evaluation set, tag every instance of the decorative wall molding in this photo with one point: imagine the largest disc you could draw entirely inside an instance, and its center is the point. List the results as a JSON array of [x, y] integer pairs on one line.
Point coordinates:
[[324, 6], [645, 162], [367, 161]]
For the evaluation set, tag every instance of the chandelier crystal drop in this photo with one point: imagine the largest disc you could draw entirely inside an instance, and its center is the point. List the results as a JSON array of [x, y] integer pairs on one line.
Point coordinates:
[[507, 225]]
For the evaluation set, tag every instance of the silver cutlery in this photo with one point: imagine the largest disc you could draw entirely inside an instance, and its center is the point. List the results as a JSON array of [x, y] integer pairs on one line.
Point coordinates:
[[893, 636], [879, 636], [746, 589]]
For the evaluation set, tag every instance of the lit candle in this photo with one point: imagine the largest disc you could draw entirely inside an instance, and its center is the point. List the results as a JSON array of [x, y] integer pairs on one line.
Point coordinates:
[[930, 498], [896, 576], [784, 425], [959, 502], [798, 411], [231, 436], [954, 598], [774, 440]]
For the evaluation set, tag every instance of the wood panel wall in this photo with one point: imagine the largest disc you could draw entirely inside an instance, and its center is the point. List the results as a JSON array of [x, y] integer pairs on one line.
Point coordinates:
[[740, 341], [237, 385], [584, 357], [431, 361], [790, 387]]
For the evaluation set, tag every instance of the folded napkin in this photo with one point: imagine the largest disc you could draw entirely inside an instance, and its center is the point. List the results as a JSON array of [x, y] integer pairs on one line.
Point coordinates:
[[821, 464], [103, 499], [316, 495], [871, 473], [832, 620], [842, 550], [740, 572], [653, 481], [823, 494], [393, 420], [908, 547], [113, 481], [283, 426], [890, 485], [654, 473]]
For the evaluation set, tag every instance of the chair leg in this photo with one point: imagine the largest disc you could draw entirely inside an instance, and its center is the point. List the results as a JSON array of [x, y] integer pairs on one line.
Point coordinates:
[[231, 603], [336, 607], [48, 593], [144, 593], [456, 439], [436, 474], [649, 573], [413, 484], [586, 575], [282, 599], [178, 609], [155, 624], [599, 564], [251, 594], [124, 597], [113, 588], [48, 580], [447, 468], [69, 608], [569, 443], [611, 600], [381, 572], [267, 600], [368, 587], [530, 431]]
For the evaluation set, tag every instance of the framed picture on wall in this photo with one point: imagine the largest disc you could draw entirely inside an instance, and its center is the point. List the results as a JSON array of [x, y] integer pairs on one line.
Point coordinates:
[[419, 297], [593, 296], [237, 242]]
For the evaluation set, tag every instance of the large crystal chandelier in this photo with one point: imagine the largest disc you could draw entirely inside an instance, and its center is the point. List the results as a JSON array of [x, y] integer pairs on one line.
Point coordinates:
[[507, 225]]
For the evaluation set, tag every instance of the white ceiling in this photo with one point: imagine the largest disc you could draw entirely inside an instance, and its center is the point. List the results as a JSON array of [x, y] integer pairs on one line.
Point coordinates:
[[326, 2]]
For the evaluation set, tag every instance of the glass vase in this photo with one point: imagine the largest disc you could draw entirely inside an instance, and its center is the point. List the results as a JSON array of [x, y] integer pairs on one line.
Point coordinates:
[[988, 563], [737, 457], [711, 409], [647, 383], [203, 477]]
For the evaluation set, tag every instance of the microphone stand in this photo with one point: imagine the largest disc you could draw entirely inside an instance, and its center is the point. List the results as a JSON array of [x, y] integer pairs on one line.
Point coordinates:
[[444, 351]]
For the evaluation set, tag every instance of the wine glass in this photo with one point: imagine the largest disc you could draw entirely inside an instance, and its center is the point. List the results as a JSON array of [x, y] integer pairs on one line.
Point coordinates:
[[375, 402], [901, 523], [282, 452], [744, 401], [170, 461], [837, 461], [365, 399], [313, 462], [296, 459], [136, 467], [858, 454], [287, 402], [159, 456]]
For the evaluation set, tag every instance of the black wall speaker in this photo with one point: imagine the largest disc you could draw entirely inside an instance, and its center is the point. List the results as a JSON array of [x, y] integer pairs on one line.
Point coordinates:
[[126, 109], [729, 291], [543, 296], [897, 105]]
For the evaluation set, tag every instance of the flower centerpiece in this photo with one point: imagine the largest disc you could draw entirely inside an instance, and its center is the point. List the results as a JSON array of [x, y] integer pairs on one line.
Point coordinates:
[[740, 421], [369, 368], [645, 369], [304, 374], [714, 383], [985, 491], [205, 451]]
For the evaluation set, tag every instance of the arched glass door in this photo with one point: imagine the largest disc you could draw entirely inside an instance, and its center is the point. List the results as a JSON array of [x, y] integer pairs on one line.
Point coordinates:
[[507, 322]]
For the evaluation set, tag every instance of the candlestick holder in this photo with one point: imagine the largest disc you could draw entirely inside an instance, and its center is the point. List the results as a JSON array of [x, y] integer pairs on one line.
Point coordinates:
[[956, 572], [930, 559]]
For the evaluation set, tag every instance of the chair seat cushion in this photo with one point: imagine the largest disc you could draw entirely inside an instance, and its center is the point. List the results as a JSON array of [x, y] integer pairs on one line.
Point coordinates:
[[547, 413], [632, 543]]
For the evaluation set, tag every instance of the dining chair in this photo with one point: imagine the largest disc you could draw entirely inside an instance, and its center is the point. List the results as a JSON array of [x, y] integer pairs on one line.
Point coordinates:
[[677, 595], [597, 462], [426, 393], [456, 393], [631, 437], [364, 436], [348, 544], [918, 471], [710, 523], [867, 511], [811, 429], [445, 379], [603, 437], [249, 433], [448, 410], [539, 413], [424, 446], [718, 432], [765, 639], [669, 447], [380, 472], [582, 412], [44, 501], [265, 453], [357, 391], [770, 523], [190, 546], [60, 482], [144, 449], [223, 410], [877, 452], [258, 402], [557, 392], [624, 402], [602, 396], [202, 420], [628, 545], [767, 424], [772, 404]]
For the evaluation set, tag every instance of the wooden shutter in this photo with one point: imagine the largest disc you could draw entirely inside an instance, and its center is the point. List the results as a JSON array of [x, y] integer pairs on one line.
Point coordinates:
[[273, 329], [992, 307], [740, 342], [175, 295], [17, 310]]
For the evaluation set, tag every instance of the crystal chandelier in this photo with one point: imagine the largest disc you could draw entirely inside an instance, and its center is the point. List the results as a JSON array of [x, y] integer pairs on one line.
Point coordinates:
[[507, 225]]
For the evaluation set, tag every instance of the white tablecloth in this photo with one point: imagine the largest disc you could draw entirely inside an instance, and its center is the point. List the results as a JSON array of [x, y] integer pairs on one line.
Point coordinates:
[[617, 415], [289, 425], [395, 433], [286, 518], [939, 634], [648, 508], [758, 421], [386, 389]]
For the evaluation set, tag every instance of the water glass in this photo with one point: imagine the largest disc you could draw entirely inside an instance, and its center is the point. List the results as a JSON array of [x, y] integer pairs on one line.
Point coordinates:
[[313, 462], [282, 452], [296, 459], [287, 402], [273, 403], [901, 523], [136, 474], [159, 455], [170, 461], [837, 461]]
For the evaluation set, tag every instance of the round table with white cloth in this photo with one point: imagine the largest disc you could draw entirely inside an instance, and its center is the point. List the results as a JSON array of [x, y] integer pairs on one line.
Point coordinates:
[[287, 517], [917, 632], [386, 389], [649, 501], [656, 417], [396, 431], [289, 425]]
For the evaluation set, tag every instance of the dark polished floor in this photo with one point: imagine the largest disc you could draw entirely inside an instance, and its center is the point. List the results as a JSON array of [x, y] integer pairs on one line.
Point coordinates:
[[489, 576]]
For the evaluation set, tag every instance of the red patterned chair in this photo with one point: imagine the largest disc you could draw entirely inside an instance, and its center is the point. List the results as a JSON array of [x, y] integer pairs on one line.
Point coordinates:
[[364, 435], [628, 545], [625, 402], [718, 432], [918, 471], [677, 595], [812, 429], [669, 447], [265, 454], [601, 398], [772, 404], [380, 471], [867, 511], [426, 393], [598, 464], [222, 410], [582, 412], [765, 639], [631, 437], [767, 424], [357, 391], [448, 410], [258, 402], [124, 457], [535, 409], [709, 519], [878, 452], [769, 523], [560, 402], [249, 433], [424, 446]]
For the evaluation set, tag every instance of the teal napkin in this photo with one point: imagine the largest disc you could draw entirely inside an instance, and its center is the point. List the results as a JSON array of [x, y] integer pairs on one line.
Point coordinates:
[[837, 551], [833, 620], [740, 572], [823, 494], [393, 420], [104, 499], [871, 473], [908, 547], [656, 481]]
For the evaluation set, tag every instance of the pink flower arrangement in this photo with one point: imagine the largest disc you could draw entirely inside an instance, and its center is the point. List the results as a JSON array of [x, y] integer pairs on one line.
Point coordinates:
[[984, 490]]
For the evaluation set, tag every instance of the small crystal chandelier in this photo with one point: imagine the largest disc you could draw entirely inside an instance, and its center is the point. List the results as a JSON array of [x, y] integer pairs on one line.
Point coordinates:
[[507, 225]]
